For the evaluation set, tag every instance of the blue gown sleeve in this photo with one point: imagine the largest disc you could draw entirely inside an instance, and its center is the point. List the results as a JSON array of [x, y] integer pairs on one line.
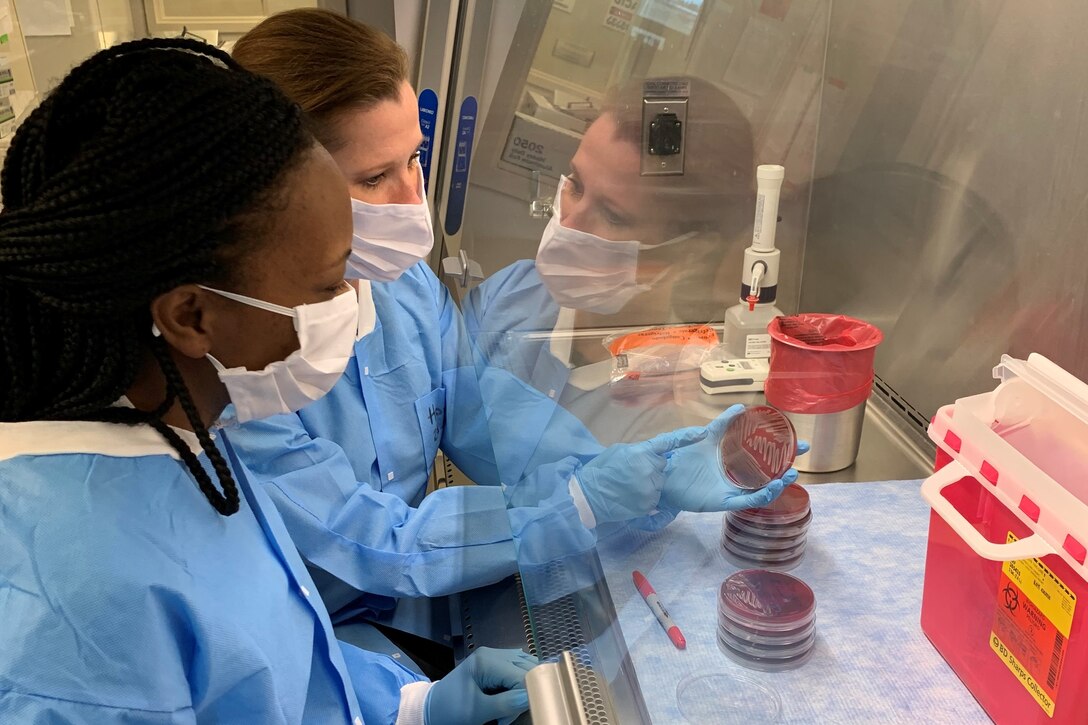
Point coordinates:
[[556, 552], [377, 680], [458, 538], [509, 317], [530, 430]]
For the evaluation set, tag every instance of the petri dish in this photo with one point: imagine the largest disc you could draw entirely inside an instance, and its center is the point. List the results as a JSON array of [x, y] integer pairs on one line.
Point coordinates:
[[767, 601], [758, 541], [769, 651], [765, 664], [773, 531], [757, 447], [707, 698], [791, 506], [746, 634], [771, 556], [743, 562]]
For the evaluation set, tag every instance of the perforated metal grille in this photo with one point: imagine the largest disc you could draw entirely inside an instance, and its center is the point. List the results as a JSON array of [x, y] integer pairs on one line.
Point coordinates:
[[554, 628], [526, 621], [466, 626], [555, 624], [594, 703]]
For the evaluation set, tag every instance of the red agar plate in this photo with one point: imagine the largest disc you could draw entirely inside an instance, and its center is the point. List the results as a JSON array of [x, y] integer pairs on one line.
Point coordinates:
[[758, 446], [767, 600]]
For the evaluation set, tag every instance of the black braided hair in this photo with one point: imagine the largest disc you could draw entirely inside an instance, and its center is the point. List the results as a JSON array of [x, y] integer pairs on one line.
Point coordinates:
[[145, 169]]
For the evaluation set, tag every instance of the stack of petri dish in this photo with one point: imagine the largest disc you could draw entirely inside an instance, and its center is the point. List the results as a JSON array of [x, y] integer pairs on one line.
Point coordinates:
[[766, 620], [772, 537]]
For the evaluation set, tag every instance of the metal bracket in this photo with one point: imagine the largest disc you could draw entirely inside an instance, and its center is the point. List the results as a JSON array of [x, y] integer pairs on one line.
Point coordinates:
[[463, 269], [539, 207]]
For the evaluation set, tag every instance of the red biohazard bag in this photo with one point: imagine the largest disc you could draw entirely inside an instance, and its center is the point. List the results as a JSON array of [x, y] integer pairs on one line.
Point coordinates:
[[820, 363]]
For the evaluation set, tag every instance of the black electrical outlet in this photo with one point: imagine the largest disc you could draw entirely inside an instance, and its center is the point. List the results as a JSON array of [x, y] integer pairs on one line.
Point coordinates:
[[666, 135]]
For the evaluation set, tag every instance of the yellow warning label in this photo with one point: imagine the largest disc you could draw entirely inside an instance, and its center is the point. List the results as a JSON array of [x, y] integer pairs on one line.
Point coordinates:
[[1031, 626]]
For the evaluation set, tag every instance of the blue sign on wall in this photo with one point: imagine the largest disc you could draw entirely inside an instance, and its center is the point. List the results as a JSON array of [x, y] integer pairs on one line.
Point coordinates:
[[428, 118], [462, 156]]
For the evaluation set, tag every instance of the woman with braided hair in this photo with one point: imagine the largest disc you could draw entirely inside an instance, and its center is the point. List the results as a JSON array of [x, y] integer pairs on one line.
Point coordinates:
[[174, 240]]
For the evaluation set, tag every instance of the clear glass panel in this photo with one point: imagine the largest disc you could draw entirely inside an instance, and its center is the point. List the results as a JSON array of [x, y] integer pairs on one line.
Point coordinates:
[[950, 152], [591, 324]]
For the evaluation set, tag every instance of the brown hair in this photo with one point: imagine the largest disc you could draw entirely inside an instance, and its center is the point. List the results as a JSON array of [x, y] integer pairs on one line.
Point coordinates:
[[326, 63]]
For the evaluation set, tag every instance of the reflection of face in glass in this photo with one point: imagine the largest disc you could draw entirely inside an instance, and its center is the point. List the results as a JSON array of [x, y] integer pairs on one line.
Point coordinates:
[[707, 210], [602, 248], [606, 195], [583, 270]]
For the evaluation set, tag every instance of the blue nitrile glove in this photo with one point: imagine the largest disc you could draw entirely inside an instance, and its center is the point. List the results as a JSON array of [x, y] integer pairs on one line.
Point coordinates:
[[657, 520], [625, 480], [694, 482], [488, 685]]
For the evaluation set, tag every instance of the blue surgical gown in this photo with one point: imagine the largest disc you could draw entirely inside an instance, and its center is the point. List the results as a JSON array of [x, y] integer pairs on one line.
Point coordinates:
[[511, 316], [349, 472], [126, 598]]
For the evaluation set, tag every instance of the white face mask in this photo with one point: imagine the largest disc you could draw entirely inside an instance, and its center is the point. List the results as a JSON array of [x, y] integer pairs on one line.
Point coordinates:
[[389, 238], [587, 272], [327, 332]]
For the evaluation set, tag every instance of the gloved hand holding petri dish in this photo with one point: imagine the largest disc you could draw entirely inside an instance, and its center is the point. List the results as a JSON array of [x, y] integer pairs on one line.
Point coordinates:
[[758, 446], [696, 479]]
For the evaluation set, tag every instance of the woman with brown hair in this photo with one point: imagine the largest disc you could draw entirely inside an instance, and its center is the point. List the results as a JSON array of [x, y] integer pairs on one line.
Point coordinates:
[[350, 472]]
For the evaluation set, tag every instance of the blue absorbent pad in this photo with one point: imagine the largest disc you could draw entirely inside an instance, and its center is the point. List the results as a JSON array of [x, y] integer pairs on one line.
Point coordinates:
[[872, 663]]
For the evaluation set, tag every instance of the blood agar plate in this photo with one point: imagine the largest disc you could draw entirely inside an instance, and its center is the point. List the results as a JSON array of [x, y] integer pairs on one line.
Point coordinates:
[[759, 541], [745, 634], [743, 562], [764, 664], [758, 446], [771, 531], [791, 506], [784, 651], [768, 556], [766, 620], [767, 601]]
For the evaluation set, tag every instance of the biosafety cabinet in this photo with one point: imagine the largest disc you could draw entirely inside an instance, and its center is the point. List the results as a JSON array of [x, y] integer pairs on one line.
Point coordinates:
[[935, 184]]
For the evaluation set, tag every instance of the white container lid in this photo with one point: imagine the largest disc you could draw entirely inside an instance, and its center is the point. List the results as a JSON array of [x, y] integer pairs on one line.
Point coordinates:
[[1027, 444]]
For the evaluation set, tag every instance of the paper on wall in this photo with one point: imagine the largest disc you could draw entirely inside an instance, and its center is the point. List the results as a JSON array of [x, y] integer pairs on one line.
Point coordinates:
[[45, 17]]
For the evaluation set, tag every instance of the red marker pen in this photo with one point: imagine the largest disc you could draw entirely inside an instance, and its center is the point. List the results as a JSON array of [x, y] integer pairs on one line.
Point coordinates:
[[659, 610]]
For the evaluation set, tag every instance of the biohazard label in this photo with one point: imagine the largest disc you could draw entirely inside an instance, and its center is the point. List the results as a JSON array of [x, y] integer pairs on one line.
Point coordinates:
[[1031, 626]]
